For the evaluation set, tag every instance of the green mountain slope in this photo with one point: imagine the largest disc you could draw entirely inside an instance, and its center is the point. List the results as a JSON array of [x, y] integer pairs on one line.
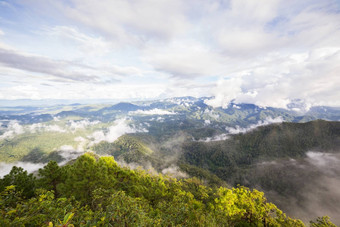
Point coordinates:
[[97, 192], [295, 164], [230, 157]]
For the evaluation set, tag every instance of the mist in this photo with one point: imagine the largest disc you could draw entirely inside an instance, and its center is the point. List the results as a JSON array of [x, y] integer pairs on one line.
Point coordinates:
[[75, 125], [220, 137], [112, 133], [304, 188], [5, 168], [155, 111], [237, 129], [13, 128], [39, 127]]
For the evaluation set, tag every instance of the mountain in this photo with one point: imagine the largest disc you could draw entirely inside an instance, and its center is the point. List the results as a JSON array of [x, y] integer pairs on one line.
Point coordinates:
[[95, 191], [288, 161], [289, 154], [122, 106], [187, 107]]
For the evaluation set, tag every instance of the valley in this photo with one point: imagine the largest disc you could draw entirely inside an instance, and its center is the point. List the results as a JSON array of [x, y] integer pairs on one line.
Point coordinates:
[[277, 151]]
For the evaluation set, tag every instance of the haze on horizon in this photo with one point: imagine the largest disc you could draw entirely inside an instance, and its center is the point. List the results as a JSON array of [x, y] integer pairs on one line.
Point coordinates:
[[269, 53]]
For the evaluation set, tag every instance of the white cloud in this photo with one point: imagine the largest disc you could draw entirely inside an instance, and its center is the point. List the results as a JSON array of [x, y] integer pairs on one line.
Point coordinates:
[[82, 124], [215, 138], [54, 128], [268, 53], [207, 122], [5, 168], [40, 127], [87, 44], [82, 142], [13, 129], [238, 129], [69, 153], [309, 76], [63, 70], [185, 59], [226, 91], [112, 133], [66, 148], [126, 21], [174, 172], [322, 159], [155, 111], [211, 113]]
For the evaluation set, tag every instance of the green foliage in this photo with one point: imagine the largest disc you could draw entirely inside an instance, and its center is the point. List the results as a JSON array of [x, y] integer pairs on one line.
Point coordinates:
[[97, 192], [24, 183], [50, 176], [229, 159], [32, 146], [322, 222]]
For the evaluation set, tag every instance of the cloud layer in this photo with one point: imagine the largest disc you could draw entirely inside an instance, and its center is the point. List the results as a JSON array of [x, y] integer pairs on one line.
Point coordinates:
[[112, 133], [268, 53]]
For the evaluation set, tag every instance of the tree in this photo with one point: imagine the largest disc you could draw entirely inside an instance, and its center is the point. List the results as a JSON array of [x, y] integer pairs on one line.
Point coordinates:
[[322, 222], [23, 181], [51, 175]]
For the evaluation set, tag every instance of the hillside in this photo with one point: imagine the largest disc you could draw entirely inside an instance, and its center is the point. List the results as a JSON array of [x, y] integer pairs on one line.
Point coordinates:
[[280, 159], [268, 149], [296, 165], [96, 191]]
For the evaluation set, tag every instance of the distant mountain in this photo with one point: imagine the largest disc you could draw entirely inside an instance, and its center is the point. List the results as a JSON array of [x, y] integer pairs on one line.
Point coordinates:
[[241, 114], [220, 146], [122, 106]]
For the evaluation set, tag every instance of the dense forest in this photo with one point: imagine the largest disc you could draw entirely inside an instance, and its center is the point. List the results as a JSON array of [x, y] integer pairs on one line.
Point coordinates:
[[95, 191], [230, 158]]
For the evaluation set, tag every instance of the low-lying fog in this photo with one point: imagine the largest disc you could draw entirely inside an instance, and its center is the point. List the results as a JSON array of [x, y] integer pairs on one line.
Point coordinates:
[[304, 188]]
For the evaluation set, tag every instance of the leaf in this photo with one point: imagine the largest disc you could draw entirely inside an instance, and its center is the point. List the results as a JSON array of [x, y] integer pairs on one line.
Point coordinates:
[[68, 217]]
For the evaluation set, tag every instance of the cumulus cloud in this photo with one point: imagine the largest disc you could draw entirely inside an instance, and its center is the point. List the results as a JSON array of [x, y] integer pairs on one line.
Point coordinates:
[[13, 129], [82, 124], [155, 111], [112, 133], [297, 46], [241, 50], [69, 153], [130, 21], [226, 91], [267, 121], [185, 60], [40, 127], [82, 142]]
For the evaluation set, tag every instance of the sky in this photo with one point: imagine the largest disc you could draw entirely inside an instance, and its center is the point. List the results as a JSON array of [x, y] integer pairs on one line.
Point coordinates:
[[268, 52]]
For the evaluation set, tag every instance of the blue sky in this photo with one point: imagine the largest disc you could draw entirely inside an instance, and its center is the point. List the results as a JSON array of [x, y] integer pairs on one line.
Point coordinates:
[[269, 52]]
